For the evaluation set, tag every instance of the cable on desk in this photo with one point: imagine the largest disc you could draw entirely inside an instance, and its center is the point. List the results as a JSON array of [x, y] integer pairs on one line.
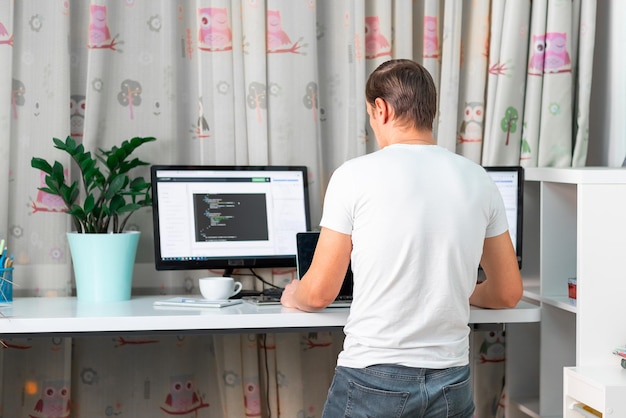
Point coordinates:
[[263, 280]]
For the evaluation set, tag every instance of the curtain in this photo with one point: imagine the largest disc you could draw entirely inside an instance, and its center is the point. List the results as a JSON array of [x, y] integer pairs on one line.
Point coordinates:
[[250, 82]]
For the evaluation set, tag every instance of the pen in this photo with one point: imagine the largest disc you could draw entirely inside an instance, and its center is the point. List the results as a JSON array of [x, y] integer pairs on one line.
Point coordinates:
[[3, 258]]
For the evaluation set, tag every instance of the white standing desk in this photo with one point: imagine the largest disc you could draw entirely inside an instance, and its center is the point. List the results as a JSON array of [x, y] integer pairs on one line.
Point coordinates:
[[67, 316]]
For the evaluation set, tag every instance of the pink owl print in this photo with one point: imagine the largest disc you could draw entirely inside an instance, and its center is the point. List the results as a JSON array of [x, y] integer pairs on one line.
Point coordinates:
[[99, 34], [276, 36], [98, 28], [537, 54], [182, 397], [431, 37], [5, 38], [215, 33], [46, 202], [376, 45], [557, 58], [54, 401], [277, 39]]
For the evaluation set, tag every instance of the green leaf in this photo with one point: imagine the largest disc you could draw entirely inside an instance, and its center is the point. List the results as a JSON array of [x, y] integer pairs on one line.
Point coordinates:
[[77, 211], [145, 202], [82, 159], [139, 183], [90, 203], [65, 192], [79, 152], [131, 207], [136, 142], [97, 210], [41, 164], [112, 161], [91, 178], [47, 190], [53, 185], [58, 143], [87, 164], [74, 192], [121, 154], [117, 183], [58, 172], [117, 202], [98, 179], [68, 146]]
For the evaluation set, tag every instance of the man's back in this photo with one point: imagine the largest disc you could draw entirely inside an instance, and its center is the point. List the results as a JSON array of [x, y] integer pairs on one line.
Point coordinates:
[[420, 215]]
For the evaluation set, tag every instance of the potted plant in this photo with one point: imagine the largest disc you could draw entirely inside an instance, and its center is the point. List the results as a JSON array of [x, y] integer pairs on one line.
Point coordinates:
[[100, 204]]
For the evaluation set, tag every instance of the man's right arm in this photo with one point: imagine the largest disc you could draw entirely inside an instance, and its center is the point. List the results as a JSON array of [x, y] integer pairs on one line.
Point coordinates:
[[322, 282], [503, 286]]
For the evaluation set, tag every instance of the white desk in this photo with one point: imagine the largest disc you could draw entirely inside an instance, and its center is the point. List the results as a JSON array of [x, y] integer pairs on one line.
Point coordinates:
[[66, 315]]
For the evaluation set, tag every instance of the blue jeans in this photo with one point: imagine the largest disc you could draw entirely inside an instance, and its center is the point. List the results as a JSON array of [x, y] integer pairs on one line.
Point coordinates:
[[390, 391]]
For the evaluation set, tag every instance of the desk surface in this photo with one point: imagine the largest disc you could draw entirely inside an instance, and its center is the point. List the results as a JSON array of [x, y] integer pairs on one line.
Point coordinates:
[[66, 315]]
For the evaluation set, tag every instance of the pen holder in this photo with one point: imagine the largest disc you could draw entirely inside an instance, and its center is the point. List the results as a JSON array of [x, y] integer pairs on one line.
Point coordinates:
[[6, 285]]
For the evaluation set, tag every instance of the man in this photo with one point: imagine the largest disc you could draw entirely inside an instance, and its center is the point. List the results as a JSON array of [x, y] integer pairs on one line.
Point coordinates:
[[416, 220]]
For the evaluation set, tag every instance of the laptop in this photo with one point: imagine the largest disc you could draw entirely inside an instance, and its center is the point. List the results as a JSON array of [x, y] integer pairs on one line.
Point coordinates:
[[305, 248]]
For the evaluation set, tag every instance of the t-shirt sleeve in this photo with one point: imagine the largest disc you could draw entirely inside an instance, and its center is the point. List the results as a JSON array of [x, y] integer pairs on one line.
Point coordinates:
[[337, 213]]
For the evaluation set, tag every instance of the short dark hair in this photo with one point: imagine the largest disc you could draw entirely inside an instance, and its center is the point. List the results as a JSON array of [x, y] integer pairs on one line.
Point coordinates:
[[408, 88]]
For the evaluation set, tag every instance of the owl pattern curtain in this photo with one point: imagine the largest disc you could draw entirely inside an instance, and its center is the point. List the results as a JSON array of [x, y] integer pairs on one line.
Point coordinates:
[[251, 82]]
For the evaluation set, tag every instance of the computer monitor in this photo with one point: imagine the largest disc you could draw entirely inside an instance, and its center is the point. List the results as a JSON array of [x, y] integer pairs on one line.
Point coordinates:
[[510, 182], [226, 217]]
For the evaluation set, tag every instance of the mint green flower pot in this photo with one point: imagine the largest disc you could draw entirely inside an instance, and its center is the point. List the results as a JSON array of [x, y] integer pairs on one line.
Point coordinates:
[[103, 265]]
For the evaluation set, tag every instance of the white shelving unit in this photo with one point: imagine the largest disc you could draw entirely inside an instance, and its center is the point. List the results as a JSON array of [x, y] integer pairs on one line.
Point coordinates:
[[574, 226]]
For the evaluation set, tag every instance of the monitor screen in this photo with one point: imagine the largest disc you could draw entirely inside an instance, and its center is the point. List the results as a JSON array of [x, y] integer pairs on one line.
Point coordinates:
[[510, 182], [225, 217]]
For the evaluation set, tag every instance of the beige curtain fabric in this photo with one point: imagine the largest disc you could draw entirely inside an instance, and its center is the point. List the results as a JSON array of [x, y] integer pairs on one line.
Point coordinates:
[[249, 82]]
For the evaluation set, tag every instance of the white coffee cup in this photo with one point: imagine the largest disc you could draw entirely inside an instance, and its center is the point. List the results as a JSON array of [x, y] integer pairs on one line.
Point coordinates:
[[219, 287]]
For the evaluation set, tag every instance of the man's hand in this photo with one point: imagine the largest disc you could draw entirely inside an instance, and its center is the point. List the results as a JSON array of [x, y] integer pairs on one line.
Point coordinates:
[[288, 298]]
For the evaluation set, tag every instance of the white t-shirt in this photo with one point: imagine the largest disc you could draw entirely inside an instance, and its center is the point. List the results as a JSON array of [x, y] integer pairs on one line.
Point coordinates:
[[418, 216]]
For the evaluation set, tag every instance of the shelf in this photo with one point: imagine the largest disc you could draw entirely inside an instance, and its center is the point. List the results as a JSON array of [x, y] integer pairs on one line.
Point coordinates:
[[532, 292], [581, 175], [600, 376], [561, 302], [529, 407]]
